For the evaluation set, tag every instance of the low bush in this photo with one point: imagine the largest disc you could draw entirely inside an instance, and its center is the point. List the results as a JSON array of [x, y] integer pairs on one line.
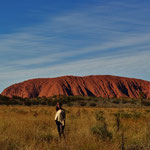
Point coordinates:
[[102, 132], [99, 116], [116, 101], [92, 104], [124, 115], [145, 102], [82, 103]]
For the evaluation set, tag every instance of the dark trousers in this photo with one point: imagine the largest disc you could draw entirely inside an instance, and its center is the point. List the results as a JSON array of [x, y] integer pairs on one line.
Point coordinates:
[[60, 129]]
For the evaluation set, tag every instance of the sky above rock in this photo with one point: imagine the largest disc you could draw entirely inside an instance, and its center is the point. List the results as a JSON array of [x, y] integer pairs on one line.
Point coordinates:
[[50, 38]]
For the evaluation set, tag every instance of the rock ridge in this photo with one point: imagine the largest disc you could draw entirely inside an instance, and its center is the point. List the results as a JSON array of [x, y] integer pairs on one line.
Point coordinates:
[[106, 86]]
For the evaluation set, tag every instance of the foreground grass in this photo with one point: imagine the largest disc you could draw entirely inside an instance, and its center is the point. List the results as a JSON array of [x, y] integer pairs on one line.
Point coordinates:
[[33, 128]]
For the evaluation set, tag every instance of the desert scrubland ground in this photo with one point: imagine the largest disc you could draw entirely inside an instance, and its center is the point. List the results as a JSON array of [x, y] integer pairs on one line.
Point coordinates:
[[33, 128]]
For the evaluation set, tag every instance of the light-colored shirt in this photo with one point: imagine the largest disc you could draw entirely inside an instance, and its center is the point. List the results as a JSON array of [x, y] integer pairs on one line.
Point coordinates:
[[59, 117]]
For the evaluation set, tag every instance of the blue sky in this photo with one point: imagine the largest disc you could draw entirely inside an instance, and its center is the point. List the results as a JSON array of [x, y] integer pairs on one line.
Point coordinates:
[[47, 38]]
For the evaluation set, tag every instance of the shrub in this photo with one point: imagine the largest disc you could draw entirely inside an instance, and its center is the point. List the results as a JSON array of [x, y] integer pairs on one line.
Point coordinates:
[[82, 103], [28, 102], [102, 132], [133, 101], [69, 104], [99, 116], [136, 115], [124, 101], [116, 101], [43, 102], [145, 102], [92, 104], [125, 115]]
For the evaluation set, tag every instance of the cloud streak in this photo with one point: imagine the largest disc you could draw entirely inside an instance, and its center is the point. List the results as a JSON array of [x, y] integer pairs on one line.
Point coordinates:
[[90, 40], [114, 65]]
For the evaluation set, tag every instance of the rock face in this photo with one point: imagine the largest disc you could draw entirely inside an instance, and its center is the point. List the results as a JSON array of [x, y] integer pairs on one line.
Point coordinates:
[[99, 86]]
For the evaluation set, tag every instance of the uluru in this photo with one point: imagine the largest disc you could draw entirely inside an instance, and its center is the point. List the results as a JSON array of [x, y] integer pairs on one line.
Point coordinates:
[[106, 86]]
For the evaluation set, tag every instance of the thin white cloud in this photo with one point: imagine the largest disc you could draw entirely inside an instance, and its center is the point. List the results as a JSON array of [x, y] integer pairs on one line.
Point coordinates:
[[129, 66], [105, 65], [76, 35]]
